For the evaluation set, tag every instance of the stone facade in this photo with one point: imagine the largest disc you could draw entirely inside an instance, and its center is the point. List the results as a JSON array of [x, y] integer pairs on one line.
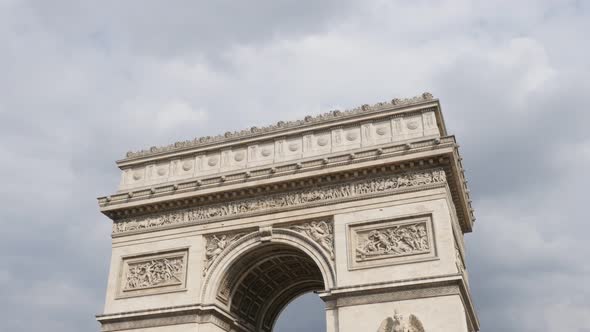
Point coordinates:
[[366, 207]]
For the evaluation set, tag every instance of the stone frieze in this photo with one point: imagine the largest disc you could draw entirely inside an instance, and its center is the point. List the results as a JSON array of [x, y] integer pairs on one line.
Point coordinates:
[[285, 200]]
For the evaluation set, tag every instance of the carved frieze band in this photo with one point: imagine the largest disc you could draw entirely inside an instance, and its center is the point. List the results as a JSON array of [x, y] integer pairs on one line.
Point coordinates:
[[153, 273], [320, 231], [287, 200], [390, 241]]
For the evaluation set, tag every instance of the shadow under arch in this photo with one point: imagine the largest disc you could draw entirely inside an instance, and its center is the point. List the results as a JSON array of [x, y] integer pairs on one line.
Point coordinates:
[[256, 276]]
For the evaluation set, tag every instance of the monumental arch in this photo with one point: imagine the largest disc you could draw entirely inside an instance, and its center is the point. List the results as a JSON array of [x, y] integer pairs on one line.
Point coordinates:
[[365, 207]]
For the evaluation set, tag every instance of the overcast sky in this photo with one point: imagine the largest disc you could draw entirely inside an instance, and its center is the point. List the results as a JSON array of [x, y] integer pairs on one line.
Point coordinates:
[[83, 82]]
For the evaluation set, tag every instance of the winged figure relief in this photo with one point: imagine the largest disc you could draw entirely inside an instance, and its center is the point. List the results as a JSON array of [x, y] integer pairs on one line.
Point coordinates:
[[399, 324], [215, 246]]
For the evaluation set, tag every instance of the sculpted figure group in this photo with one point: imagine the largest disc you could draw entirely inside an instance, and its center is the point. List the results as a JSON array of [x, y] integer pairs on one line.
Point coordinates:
[[396, 240], [156, 272], [284, 200]]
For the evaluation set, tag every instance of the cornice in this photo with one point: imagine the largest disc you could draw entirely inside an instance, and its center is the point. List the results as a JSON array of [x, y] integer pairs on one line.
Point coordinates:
[[294, 175], [280, 126], [275, 172]]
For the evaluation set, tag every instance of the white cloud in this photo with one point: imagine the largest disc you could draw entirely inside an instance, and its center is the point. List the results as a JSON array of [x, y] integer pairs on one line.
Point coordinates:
[[176, 113]]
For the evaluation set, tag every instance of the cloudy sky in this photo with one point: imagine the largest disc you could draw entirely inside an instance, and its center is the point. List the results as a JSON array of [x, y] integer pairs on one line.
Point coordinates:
[[83, 82]]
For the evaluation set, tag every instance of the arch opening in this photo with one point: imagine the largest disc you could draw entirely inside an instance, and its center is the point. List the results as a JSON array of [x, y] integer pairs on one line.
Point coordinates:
[[264, 280], [308, 306]]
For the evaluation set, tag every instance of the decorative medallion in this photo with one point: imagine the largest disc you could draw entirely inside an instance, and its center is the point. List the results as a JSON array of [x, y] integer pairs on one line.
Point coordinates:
[[212, 161], [240, 156], [323, 141], [351, 136], [412, 125], [187, 165], [266, 152]]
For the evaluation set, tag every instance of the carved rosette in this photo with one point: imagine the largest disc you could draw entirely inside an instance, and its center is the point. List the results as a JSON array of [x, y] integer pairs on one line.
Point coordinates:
[[216, 245], [287, 200], [320, 231]]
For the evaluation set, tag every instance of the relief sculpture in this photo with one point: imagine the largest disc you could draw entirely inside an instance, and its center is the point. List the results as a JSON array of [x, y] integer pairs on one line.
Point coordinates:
[[285, 200], [393, 241], [215, 246], [399, 324], [319, 231], [156, 272]]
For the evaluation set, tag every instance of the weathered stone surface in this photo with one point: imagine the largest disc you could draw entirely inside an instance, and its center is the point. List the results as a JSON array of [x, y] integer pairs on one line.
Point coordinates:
[[366, 207]]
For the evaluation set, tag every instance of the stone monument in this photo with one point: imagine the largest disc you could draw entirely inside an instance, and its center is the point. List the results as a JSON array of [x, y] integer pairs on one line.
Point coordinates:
[[365, 207]]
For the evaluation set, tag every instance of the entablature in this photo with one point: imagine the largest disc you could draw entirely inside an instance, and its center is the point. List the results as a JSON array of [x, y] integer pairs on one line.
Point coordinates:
[[425, 149], [220, 199]]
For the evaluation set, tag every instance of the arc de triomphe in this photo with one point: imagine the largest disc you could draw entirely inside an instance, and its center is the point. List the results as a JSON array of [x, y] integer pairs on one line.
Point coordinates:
[[366, 207]]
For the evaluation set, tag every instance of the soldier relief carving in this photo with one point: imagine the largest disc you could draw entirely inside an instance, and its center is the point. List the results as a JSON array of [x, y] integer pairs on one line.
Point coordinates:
[[285, 200], [319, 231], [154, 273], [393, 241], [399, 324]]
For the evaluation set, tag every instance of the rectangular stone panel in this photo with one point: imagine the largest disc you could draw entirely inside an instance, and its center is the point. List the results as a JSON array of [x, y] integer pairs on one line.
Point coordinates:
[[390, 241], [153, 273]]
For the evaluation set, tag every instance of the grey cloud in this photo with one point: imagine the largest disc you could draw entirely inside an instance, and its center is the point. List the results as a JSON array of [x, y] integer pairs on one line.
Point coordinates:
[[164, 29], [83, 83]]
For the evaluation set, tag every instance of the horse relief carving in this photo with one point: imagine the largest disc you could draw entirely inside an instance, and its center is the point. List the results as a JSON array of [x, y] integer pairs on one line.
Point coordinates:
[[399, 324], [154, 273], [393, 241]]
